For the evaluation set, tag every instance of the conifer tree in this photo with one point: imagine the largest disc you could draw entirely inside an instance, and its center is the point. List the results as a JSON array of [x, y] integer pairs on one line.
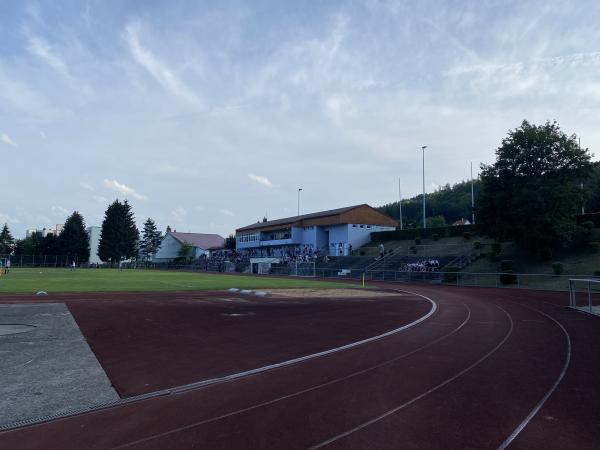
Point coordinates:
[[73, 239], [6, 240], [119, 235], [151, 239]]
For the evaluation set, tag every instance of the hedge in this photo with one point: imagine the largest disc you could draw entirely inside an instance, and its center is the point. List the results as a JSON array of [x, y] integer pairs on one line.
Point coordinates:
[[412, 233]]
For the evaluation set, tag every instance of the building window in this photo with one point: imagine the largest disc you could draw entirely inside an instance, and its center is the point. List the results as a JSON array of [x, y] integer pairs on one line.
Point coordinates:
[[249, 237]]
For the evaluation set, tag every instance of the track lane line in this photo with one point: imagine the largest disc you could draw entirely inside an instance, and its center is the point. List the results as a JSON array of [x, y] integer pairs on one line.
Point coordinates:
[[543, 400], [298, 393], [422, 395], [224, 379]]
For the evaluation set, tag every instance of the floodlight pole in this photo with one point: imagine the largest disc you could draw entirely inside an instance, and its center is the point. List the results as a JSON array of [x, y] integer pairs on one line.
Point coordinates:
[[400, 201], [472, 197], [299, 190], [424, 223]]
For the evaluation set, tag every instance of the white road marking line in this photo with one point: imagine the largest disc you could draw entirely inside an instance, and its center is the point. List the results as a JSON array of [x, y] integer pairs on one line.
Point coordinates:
[[295, 394], [539, 405], [418, 397], [226, 378]]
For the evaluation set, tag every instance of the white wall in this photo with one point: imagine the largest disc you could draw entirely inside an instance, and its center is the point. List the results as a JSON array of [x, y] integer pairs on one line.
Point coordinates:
[[94, 234], [168, 248]]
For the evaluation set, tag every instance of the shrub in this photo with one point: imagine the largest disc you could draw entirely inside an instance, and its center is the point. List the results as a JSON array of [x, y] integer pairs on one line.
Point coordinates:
[[597, 273], [436, 237], [546, 253], [467, 235], [413, 250], [493, 257], [496, 248], [418, 240], [361, 252], [588, 225], [506, 265], [594, 247], [477, 245], [508, 278], [558, 268], [449, 275]]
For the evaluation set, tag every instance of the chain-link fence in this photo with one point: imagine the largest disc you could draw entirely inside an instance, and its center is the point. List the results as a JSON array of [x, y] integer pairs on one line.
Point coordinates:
[[41, 260], [500, 280]]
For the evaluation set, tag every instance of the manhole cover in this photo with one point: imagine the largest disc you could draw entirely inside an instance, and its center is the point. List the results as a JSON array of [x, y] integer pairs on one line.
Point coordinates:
[[15, 328]]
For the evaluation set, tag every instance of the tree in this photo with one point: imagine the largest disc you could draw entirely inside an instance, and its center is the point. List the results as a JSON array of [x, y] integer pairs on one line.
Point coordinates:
[[450, 203], [230, 242], [119, 235], [74, 239], [168, 229], [151, 239], [31, 245], [532, 192], [186, 251], [6, 240]]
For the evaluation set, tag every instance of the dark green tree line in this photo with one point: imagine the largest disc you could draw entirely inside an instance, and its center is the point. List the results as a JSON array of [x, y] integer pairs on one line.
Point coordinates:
[[442, 207]]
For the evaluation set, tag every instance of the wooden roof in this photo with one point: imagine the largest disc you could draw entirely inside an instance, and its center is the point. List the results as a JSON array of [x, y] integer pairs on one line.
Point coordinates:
[[360, 214]]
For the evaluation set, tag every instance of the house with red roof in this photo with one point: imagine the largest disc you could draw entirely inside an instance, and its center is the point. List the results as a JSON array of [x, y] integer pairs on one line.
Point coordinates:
[[202, 243]]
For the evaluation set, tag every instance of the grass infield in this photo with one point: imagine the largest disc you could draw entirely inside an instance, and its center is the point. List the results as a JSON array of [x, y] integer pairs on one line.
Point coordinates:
[[95, 280]]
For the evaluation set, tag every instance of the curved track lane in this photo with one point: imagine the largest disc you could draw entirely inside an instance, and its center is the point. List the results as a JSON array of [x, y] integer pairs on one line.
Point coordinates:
[[490, 368]]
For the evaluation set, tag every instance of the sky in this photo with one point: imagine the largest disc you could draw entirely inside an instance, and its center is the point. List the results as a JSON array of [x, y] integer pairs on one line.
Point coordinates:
[[207, 116]]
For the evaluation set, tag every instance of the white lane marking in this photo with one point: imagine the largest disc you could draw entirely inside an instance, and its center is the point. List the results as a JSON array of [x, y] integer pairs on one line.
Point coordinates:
[[424, 394], [226, 378], [297, 393], [539, 405]]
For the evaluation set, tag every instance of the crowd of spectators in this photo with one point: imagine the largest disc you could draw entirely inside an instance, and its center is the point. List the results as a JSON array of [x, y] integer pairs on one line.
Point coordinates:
[[425, 265]]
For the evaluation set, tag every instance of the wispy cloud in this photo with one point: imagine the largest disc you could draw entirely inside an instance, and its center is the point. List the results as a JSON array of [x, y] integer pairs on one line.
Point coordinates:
[[60, 211], [226, 212], [39, 47], [159, 70], [5, 218], [179, 213], [260, 180], [124, 189], [86, 186], [7, 140], [99, 199]]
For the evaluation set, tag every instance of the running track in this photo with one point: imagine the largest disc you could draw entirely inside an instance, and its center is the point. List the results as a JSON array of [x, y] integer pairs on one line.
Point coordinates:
[[490, 368]]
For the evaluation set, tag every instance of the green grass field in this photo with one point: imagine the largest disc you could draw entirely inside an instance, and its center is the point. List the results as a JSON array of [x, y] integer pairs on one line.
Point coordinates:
[[92, 280]]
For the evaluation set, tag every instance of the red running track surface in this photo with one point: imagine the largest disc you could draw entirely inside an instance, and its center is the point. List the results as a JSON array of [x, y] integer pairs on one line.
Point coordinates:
[[467, 377]]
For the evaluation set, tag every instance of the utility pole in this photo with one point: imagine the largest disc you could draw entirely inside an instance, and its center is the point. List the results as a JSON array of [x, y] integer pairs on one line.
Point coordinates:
[[472, 197], [424, 223], [299, 190], [581, 186], [400, 201]]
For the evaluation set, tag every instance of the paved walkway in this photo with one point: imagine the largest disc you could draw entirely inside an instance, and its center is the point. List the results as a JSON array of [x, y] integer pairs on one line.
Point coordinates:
[[48, 369]]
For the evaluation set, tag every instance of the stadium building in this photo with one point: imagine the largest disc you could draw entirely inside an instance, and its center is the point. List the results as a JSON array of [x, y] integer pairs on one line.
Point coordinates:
[[327, 232]]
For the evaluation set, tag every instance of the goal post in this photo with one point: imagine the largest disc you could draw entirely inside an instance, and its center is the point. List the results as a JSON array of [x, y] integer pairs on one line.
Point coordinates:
[[584, 295], [303, 269]]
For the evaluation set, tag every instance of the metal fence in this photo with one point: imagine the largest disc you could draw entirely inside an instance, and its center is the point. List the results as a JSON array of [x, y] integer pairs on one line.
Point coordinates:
[[493, 279], [584, 295], [40, 260]]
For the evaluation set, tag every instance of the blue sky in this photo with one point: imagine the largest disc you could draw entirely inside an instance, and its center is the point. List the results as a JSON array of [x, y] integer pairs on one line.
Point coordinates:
[[207, 115]]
